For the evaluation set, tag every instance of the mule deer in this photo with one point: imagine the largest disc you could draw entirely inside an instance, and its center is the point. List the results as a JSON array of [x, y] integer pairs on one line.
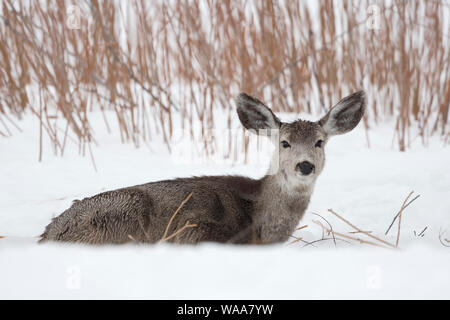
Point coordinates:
[[227, 209]]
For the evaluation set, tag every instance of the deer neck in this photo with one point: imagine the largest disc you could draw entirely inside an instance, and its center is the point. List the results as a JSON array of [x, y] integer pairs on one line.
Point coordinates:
[[286, 194], [280, 207]]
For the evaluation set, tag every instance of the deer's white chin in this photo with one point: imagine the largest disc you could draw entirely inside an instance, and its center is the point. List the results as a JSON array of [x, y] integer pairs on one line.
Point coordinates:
[[302, 181], [305, 179]]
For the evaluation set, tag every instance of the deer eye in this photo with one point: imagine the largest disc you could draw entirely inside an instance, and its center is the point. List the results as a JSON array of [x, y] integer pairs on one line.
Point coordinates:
[[285, 144], [319, 144]]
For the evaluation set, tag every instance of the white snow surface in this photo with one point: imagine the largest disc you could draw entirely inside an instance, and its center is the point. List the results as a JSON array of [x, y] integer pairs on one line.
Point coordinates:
[[365, 185]]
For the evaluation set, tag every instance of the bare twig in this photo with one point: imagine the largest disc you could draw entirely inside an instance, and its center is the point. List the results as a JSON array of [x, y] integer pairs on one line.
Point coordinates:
[[403, 207], [355, 232], [296, 240], [132, 238], [359, 230], [443, 240], [302, 227], [324, 239], [349, 237], [329, 224], [299, 240], [421, 233], [187, 225], [165, 237]]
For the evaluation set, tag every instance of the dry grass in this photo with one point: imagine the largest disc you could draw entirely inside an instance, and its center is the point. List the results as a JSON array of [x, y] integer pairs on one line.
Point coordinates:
[[403, 207], [364, 232], [445, 242], [360, 240], [150, 61], [379, 242], [167, 237]]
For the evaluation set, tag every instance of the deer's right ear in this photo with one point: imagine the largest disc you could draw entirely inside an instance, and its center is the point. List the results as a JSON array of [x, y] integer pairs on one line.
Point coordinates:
[[254, 114]]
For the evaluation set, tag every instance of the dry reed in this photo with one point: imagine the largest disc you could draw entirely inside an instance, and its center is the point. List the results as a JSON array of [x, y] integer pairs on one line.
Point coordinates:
[[162, 65], [379, 242], [167, 237]]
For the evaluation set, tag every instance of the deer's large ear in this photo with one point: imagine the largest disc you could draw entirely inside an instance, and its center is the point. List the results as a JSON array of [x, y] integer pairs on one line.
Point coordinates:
[[345, 115], [254, 114]]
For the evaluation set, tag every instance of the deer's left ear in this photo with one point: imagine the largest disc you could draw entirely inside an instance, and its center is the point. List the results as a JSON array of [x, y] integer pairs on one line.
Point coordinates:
[[345, 115]]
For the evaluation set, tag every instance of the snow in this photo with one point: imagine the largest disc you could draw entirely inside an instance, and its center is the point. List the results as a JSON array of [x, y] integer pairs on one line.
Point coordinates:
[[220, 272], [365, 185]]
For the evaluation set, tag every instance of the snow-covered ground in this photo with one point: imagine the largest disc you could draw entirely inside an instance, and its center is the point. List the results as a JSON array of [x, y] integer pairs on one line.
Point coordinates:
[[365, 185]]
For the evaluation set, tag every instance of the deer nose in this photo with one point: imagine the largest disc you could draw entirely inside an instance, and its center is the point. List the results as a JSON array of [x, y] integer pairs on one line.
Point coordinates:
[[305, 167]]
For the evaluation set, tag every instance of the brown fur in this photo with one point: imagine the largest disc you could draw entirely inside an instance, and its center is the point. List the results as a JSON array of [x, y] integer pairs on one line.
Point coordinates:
[[225, 209]]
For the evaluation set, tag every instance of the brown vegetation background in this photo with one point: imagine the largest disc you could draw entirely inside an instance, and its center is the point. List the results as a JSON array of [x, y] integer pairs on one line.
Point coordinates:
[[161, 65]]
